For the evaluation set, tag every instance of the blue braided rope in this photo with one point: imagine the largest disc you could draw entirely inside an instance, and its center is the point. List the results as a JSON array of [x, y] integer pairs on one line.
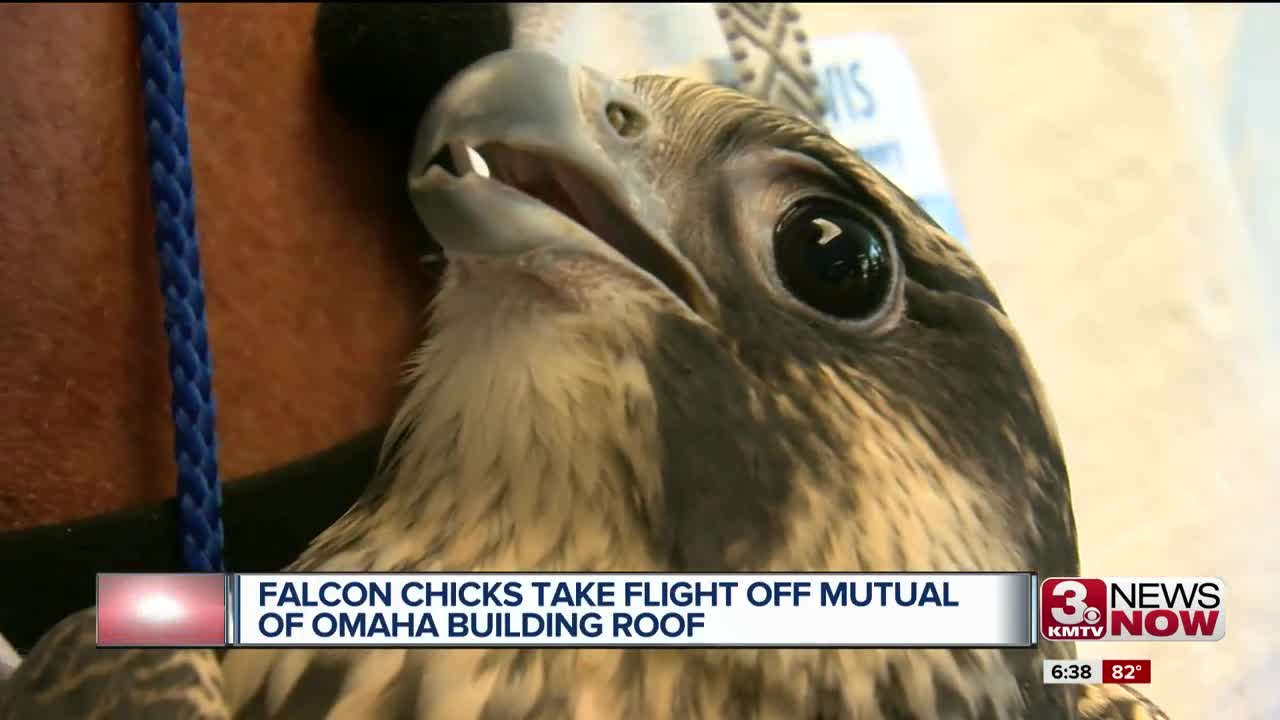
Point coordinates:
[[190, 368]]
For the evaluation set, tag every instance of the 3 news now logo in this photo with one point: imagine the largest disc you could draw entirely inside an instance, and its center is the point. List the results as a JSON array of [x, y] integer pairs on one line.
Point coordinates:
[[1185, 609]]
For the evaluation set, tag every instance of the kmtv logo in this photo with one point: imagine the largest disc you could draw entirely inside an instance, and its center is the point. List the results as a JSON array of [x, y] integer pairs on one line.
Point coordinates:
[[1073, 609], [1184, 609]]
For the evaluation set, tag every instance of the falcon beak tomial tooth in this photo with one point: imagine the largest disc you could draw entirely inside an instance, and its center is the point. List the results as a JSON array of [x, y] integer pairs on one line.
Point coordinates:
[[467, 159]]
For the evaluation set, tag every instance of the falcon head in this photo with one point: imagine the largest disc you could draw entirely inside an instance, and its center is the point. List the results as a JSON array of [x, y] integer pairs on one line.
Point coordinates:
[[682, 330], [716, 328]]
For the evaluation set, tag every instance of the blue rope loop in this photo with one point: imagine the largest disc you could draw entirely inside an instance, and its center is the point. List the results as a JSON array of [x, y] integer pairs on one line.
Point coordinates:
[[190, 366]]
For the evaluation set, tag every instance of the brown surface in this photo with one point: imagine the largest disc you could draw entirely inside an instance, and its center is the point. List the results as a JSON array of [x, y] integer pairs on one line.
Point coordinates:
[[314, 293]]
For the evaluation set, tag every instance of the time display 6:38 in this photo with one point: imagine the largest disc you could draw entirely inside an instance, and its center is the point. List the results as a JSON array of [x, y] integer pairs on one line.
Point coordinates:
[[1072, 672]]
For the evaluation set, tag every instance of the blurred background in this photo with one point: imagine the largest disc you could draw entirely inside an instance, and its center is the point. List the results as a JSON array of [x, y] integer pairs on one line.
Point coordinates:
[[1116, 170]]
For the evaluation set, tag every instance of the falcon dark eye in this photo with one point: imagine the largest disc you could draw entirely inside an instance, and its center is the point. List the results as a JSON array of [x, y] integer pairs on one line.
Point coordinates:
[[833, 259]]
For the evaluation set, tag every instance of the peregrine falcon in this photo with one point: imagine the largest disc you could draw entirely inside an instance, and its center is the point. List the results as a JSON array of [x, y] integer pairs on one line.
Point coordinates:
[[679, 330]]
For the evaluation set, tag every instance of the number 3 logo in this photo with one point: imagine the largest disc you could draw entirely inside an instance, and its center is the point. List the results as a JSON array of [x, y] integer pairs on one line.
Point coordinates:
[[1073, 593]]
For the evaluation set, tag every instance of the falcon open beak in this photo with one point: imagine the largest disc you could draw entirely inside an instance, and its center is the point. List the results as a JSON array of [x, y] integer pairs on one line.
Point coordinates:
[[547, 157]]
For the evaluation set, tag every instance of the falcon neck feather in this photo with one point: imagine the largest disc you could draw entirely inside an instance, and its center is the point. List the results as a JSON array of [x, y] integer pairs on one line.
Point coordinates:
[[520, 445]]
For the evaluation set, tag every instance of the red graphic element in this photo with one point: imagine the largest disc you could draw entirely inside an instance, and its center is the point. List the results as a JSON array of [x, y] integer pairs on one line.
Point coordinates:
[[1073, 609], [188, 610], [1128, 672]]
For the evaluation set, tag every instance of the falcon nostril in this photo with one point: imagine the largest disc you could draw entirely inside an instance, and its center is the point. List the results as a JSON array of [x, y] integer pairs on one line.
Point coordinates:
[[625, 120]]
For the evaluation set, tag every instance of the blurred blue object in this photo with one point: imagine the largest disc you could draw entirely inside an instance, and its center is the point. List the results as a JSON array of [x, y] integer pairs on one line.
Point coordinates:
[[1252, 140], [874, 104]]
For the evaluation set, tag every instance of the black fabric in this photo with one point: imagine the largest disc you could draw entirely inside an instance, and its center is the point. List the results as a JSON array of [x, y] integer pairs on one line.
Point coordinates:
[[382, 63], [47, 573]]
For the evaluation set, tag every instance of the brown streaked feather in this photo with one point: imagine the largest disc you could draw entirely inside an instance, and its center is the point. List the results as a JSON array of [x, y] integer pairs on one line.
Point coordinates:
[[1117, 702], [67, 676]]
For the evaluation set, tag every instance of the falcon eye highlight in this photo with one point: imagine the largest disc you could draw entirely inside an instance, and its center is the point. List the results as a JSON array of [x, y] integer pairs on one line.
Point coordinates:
[[834, 259]]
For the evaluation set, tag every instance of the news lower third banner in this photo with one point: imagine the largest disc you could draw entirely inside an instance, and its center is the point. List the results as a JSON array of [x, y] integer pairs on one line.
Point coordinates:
[[568, 610]]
